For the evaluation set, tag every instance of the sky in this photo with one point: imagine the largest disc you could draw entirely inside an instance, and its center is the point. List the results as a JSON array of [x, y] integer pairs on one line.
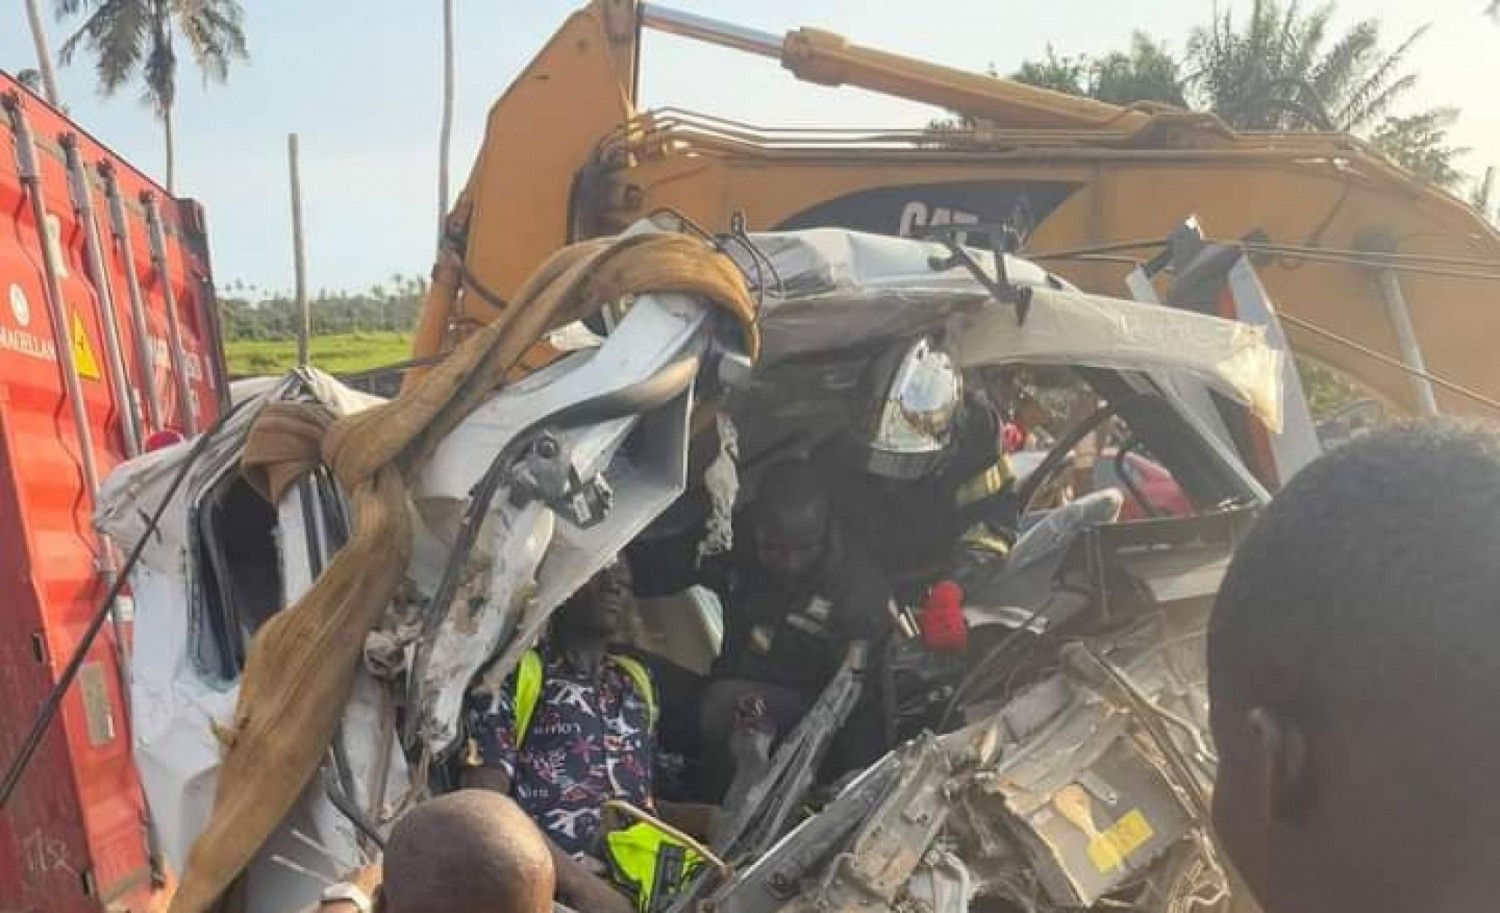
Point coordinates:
[[359, 81]]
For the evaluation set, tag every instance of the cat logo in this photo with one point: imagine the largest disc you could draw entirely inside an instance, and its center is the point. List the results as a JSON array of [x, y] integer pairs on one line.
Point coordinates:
[[916, 216]]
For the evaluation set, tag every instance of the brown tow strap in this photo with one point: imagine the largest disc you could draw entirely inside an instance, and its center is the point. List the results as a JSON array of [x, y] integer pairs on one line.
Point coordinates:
[[302, 663]]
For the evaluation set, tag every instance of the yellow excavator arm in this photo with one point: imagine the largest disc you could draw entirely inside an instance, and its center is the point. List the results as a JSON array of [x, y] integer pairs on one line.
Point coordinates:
[[1377, 274]]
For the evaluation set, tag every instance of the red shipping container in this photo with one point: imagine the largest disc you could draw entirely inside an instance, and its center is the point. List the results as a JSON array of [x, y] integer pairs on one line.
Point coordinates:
[[73, 837]]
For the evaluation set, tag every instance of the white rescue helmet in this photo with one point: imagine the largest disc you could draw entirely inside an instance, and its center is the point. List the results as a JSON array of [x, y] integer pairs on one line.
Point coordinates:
[[919, 394]]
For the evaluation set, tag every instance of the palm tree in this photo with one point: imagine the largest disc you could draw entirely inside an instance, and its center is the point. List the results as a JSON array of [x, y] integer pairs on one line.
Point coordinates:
[[43, 52], [1283, 70], [135, 37]]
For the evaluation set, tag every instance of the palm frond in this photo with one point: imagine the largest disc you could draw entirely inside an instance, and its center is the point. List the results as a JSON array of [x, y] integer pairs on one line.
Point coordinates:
[[1337, 74], [215, 34], [116, 34], [1377, 106], [64, 9], [1281, 39], [1381, 87], [1309, 42], [1262, 27], [1285, 67]]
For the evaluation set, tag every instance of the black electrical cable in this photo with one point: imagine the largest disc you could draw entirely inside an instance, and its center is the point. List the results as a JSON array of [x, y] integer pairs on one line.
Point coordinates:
[[1414, 266], [1434, 379], [54, 700]]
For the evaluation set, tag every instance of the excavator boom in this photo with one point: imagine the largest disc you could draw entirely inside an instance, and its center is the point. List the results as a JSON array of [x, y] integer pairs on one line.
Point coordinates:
[[1376, 273], [822, 57]]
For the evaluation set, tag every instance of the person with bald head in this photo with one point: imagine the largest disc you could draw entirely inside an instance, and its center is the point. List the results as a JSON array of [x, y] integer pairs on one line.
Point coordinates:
[[471, 851], [795, 601]]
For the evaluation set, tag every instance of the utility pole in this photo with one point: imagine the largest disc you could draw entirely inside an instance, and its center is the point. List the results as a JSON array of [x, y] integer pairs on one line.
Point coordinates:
[[445, 135], [304, 317], [43, 52]]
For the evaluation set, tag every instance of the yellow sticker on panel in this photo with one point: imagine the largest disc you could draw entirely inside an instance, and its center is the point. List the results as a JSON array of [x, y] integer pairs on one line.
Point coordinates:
[[1109, 850], [83, 351]]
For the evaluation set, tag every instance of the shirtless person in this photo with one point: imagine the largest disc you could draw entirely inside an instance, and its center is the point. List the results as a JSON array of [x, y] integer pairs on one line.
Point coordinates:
[[1353, 678]]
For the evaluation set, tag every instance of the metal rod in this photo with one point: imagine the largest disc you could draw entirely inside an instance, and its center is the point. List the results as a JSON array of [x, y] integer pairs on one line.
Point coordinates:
[[1406, 338], [712, 31], [123, 396], [157, 234], [299, 257], [31, 180], [83, 209], [1437, 380], [29, 171], [145, 357]]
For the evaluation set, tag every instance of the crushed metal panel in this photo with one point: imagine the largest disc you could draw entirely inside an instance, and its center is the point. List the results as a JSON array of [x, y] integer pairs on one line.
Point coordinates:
[[175, 710], [1079, 330], [836, 290], [897, 836], [484, 608], [943, 884], [1085, 798], [1178, 575], [774, 880], [1110, 823], [173, 713], [537, 561], [656, 331]]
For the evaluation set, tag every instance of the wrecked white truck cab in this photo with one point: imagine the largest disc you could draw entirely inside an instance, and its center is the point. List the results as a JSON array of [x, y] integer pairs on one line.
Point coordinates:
[[1070, 764]]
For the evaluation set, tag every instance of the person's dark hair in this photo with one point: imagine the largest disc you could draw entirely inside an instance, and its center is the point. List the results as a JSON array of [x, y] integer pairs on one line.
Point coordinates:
[[788, 489], [1367, 599], [471, 851]]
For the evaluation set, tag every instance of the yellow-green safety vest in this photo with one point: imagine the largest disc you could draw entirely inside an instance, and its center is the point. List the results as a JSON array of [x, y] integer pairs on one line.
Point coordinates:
[[529, 676], [650, 864]]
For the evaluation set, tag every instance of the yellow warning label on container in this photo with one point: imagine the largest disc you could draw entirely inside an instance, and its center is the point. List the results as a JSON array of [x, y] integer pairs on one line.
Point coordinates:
[[83, 351], [1109, 849]]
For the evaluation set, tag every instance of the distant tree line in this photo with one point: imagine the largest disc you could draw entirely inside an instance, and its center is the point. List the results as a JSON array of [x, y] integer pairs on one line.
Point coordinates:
[[249, 312]]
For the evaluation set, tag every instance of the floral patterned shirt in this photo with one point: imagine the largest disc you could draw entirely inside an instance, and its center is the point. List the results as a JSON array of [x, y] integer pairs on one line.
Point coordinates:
[[589, 741]]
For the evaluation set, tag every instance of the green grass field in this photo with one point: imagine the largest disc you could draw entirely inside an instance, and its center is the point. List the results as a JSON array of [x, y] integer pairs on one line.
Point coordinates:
[[341, 354]]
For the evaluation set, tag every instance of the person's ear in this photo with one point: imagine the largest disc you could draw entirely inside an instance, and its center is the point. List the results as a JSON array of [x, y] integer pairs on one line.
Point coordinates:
[[1285, 770]]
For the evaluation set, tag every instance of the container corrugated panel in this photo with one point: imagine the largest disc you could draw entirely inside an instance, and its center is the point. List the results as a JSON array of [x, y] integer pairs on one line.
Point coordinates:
[[74, 836]]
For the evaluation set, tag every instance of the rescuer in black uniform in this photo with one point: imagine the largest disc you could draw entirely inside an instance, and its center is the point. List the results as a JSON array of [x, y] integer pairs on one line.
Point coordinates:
[[798, 596], [924, 481]]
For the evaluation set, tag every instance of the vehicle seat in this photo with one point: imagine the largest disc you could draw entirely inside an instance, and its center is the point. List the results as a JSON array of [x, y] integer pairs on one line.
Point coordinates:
[[1024, 582]]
